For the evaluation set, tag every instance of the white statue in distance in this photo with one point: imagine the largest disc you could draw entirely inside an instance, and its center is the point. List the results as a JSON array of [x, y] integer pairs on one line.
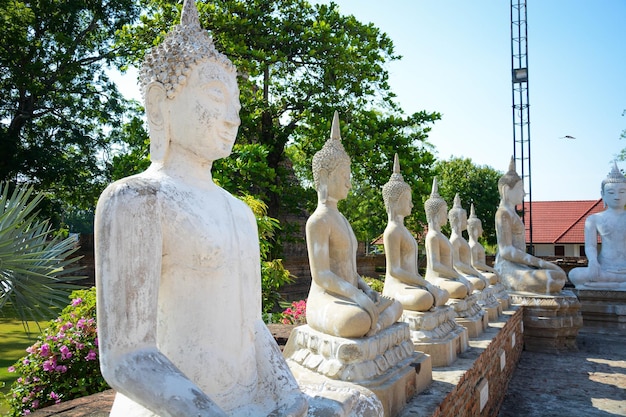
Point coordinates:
[[606, 267], [177, 257]]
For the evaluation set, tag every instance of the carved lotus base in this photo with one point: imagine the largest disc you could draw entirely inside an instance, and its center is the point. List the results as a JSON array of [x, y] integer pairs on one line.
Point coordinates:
[[469, 314], [602, 308], [488, 301], [551, 322], [385, 364], [501, 295], [437, 334]]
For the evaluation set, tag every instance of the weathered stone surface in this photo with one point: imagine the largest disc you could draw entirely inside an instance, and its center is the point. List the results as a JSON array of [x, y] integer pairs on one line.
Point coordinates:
[[551, 322], [603, 308]]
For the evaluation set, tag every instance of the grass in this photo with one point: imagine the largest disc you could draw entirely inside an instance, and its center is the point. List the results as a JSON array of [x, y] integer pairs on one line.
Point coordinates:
[[13, 343]]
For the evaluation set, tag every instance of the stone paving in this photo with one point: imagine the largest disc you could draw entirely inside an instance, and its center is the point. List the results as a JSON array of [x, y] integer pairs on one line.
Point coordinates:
[[588, 383]]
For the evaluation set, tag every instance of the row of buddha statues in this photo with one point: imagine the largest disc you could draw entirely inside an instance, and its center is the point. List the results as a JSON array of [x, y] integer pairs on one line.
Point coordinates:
[[179, 282]]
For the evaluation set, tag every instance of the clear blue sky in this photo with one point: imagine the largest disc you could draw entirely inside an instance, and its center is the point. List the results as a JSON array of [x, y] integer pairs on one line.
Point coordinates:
[[456, 60]]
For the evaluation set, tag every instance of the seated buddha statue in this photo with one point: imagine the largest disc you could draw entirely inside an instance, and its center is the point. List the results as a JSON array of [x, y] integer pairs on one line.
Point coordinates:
[[177, 257], [461, 252], [518, 270], [606, 268], [479, 259], [340, 302], [402, 280], [439, 263]]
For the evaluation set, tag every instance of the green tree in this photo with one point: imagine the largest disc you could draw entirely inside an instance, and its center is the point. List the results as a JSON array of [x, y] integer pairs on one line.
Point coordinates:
[[476, 184], [36, 268], [299, 63], [56, 102]]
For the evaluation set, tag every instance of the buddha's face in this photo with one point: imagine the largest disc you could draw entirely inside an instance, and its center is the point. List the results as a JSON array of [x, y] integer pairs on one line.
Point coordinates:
[[204, 114], [339, 182], [516, 194], [404, 204], [614, 195]]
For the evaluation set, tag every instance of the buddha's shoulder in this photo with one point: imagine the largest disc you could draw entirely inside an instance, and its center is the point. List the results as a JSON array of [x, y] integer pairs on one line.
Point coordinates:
[[134, 187]]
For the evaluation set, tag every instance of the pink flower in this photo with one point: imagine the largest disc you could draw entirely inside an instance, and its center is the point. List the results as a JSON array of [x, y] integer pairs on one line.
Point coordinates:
[[53, 395], [11, 369], [61, 369], [77, 301], [65, 352], [45, 350], [91, 356], [35, 404], [50, 364]]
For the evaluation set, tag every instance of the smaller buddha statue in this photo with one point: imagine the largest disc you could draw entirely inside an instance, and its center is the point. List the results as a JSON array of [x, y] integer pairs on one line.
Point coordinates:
[[477, 251], [439, 263], [520, 271], [340, 302], [606, 267], [461, 252], [402, 280]]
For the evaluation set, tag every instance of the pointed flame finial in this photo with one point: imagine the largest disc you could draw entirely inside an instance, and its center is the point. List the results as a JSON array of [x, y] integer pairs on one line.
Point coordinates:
[[472, 212], [189, 15], [396, 164], [335, 133]]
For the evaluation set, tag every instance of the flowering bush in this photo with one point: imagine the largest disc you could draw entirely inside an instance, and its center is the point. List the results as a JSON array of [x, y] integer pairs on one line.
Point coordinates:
[[63, 364], [296, 314]]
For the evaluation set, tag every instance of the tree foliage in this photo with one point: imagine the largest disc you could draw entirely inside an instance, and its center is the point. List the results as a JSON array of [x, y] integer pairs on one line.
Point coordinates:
[[476, 184], [298, 64], [56, 102]]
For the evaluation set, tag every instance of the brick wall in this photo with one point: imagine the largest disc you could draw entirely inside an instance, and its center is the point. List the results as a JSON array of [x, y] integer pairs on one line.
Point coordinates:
[[465, 398]]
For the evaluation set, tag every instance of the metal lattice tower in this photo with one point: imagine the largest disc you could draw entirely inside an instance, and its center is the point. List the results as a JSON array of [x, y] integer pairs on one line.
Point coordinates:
[[521, 106]]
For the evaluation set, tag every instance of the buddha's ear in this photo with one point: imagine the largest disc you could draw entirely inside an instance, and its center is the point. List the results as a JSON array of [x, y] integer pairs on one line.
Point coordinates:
[[155, 98]]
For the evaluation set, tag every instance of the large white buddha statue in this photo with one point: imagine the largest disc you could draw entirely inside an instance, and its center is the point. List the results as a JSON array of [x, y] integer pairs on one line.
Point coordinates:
[[340, 302], [606, 267], [520, 271], [177, 257], [439, 252], [402, 279]]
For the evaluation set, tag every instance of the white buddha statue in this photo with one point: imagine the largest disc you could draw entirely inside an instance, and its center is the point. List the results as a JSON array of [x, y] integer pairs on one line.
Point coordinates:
[[402, 279], [606, 268], [461, 252], [477, 251], [520, 271], [439, 261], [340, 302], [177, 257]]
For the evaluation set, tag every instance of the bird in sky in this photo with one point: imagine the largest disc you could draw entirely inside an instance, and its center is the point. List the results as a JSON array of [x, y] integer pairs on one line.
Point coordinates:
[[567, 137]]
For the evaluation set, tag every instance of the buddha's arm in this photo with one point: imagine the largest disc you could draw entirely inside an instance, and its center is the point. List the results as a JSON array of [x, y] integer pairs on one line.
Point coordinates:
[[433, 258], [393, 258], [506, 249], [128, 271], [591, 239], [318, 248]]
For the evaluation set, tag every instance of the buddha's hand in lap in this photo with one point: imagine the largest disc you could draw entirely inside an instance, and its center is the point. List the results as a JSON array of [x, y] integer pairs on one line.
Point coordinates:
[[369, 305], [384, 302]]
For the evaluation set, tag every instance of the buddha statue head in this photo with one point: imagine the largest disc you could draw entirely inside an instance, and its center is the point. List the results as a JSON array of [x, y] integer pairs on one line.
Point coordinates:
[[395, 188], [474, 225], [457, 216], [614, 184], [508, 182], [187, 60], [331, 167], [435, 206]]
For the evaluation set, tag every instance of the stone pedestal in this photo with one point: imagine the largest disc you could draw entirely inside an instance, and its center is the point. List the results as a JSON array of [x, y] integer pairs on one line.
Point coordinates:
[[551, 322], [437, 334], [488, 301], [602, 308], [469, 314], [385, 364], [502, 295]]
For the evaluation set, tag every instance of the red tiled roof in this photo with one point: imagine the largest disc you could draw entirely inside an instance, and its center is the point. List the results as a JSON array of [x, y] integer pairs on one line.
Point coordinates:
[[561, 221]]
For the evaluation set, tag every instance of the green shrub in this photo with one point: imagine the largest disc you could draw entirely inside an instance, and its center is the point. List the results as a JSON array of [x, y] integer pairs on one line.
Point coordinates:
[[63, 364], [375, 283]]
